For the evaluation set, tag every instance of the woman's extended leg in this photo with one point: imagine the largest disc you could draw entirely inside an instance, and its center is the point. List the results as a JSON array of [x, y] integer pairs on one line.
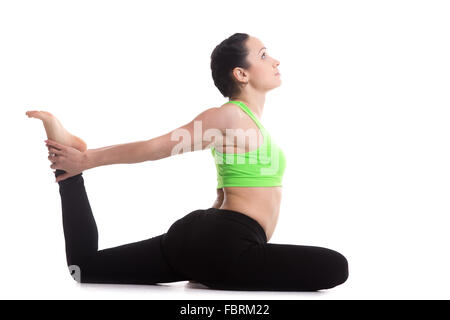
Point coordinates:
[[134, 263], [286, 267]]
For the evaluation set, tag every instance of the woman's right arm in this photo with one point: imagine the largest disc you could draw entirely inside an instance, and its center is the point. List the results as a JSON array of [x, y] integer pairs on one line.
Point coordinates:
[[198, 134]]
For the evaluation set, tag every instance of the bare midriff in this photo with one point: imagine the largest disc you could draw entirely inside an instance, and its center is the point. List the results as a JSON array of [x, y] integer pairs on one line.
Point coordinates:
[[260, 203], [264, 206]]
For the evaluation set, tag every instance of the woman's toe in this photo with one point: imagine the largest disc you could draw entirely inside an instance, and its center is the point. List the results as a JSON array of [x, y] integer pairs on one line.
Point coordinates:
[[33, 114]]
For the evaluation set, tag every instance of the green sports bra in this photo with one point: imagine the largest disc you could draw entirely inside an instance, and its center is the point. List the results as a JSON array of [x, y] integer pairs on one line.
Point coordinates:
[[262, 167]]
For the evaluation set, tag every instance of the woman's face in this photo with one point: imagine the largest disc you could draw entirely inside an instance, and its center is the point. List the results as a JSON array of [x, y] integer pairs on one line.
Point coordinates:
[[262, 72]]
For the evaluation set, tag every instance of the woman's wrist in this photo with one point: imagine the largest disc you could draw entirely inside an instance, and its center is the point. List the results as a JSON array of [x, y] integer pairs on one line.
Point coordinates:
[[88, 161]]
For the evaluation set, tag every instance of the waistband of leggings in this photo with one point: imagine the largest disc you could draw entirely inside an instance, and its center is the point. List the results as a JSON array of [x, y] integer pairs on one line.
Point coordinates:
[[243, 218]]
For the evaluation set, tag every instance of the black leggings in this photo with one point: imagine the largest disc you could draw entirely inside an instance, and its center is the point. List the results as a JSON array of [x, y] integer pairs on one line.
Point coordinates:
[[222, 249]]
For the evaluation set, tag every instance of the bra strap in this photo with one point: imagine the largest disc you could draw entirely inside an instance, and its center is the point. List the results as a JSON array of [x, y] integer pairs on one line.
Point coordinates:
[[249, 112]]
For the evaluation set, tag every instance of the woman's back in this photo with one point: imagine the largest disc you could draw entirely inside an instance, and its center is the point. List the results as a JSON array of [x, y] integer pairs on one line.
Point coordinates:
[[249, 182]]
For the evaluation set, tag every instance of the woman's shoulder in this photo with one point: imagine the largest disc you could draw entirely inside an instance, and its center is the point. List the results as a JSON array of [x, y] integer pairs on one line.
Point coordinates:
[[232, 111]]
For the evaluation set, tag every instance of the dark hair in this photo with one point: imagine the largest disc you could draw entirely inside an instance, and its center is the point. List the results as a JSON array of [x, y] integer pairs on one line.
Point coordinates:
[[226, 56]]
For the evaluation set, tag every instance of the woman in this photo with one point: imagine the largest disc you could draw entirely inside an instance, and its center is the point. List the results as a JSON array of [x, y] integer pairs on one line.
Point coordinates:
[[225, 246]]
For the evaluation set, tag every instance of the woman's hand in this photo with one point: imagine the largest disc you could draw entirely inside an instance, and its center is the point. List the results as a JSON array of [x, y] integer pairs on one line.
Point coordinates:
[[66, 158]]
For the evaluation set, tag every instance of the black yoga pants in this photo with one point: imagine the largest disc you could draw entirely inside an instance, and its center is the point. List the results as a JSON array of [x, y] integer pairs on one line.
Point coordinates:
[[222, 249]]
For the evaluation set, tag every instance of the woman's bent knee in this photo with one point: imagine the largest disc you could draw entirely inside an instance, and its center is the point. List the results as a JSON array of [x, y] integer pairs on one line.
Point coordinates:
[[78, 270], [338, 270], [75, 272]]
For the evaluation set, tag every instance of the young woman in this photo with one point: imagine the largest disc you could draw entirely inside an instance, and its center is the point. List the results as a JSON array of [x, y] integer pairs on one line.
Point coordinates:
[[225, 246]]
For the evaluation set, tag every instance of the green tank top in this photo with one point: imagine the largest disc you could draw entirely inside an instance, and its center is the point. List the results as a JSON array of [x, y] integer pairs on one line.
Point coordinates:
[[262, 167]]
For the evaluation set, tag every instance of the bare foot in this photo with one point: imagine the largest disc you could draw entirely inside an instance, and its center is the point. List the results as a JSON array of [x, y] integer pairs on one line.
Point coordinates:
[[56, 132]]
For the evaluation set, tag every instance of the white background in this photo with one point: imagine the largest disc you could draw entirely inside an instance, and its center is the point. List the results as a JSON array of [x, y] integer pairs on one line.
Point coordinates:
[[362, 115]]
